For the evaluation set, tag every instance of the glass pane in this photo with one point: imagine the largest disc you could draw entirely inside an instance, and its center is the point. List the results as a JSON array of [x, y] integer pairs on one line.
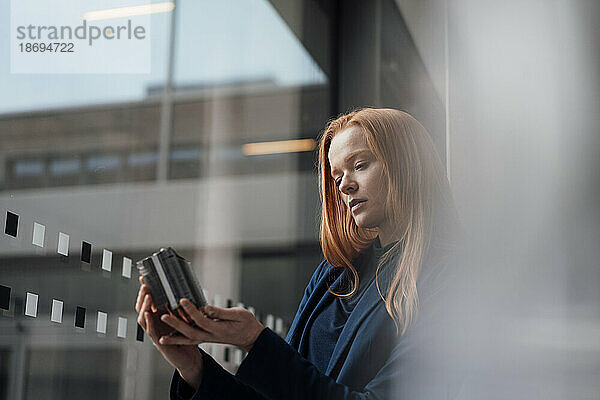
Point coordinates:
[[4, 372], [31, 92], [238, 43], [62, 373], [82, 199]]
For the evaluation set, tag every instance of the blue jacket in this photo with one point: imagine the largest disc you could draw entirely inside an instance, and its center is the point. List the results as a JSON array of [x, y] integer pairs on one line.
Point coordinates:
[[369, 361]]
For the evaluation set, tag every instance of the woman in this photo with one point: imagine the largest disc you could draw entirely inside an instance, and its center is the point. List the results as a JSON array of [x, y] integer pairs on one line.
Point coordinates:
[[386, 233]]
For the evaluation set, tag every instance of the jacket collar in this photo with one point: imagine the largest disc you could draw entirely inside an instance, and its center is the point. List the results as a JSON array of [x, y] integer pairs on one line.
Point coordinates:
[[365, 306], [367, 303]]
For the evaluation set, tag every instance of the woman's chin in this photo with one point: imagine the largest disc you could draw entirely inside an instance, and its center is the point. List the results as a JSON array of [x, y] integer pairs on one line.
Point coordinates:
[[363, 223]]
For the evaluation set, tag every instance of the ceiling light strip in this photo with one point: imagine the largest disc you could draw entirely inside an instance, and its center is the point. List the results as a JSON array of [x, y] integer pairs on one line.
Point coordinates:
[[131, 11], [282, 146]]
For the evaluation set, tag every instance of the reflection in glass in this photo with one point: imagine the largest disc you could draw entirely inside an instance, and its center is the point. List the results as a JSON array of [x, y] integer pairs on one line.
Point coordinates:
[[79, 157]]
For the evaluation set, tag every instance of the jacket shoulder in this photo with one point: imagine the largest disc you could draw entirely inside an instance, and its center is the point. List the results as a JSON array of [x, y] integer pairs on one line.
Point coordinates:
[[322, 270]]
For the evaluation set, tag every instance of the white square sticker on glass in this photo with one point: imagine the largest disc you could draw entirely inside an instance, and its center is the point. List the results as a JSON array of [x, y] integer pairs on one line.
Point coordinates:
[[31, 305], [57, 311], [81, 37], [279, 325], [39, 232], [122, 328], [239, 356], [101, 322], [270, 323], [106, 260], [126, 267], [63, 244], [218, 301]]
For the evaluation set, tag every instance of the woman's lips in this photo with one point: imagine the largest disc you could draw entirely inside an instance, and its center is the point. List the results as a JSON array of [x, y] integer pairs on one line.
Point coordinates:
[[358, 205]]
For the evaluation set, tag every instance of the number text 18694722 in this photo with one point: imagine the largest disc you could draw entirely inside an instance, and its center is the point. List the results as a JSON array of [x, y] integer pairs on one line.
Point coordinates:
[[52, 47]]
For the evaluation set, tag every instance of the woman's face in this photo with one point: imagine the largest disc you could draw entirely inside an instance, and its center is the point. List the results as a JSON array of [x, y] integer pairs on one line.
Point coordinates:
[[359, 177]]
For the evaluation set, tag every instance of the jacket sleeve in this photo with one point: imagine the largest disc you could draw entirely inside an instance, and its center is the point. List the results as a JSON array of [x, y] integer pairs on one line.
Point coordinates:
[[320, 271], [277, 371], [217, 383]]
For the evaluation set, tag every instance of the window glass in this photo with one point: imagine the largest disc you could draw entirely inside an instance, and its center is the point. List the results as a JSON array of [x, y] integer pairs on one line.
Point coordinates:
[[100, 171]]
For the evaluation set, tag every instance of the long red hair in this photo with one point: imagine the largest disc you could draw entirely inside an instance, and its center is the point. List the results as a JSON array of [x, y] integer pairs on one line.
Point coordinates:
[[418, 196]]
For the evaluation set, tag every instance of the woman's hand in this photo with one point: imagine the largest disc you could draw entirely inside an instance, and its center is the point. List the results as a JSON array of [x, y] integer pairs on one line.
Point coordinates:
[[186, 359], [236, 326]]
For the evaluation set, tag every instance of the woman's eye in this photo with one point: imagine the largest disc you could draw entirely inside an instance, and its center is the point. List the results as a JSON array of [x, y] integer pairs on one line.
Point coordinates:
[[361, 165], [338, 182]]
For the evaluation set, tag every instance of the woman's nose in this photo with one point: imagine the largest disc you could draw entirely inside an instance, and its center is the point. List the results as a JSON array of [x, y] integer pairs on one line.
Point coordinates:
[[348, 185]]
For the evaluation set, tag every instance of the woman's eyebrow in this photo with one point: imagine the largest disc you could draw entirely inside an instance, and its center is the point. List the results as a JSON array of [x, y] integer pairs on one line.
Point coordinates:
[[355, 153], [350, 157]]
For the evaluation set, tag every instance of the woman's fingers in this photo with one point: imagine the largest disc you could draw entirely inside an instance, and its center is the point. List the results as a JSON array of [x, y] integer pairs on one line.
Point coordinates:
[[235, 326], [188, 331], [144, 289], [140, 297], [143, 309], [195, 314], [171, 340], [207, 324], [225, 314], [150, 327]]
